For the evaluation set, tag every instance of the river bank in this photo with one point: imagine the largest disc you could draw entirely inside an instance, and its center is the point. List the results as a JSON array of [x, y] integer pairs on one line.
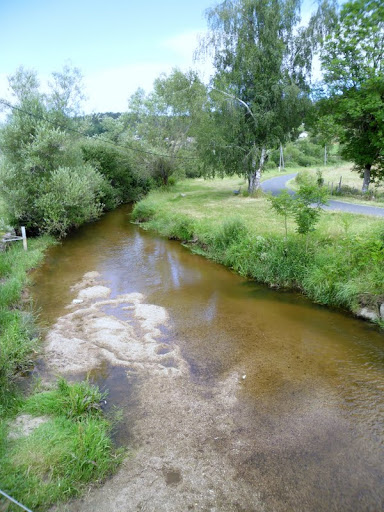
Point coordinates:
[[54, 438], [340, 265]]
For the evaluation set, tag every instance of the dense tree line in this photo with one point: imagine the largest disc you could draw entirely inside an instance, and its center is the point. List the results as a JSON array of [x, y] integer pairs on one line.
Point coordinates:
[[52, 177], [262, 91], [59, 169]]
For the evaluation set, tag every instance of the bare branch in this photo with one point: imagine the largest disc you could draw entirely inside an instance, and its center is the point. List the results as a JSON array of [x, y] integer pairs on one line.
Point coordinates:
[[239, 100]]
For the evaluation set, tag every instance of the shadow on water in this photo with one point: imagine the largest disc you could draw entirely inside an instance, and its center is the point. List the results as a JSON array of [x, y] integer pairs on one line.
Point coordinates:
[[310, 415]]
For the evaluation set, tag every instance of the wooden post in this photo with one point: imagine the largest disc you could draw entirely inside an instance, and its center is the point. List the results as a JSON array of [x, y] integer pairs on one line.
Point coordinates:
[[24, 235], [281, 161], [340, 183]]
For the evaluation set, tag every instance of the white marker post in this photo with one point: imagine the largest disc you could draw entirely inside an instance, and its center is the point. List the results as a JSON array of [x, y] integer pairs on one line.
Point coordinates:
[[24, 235]]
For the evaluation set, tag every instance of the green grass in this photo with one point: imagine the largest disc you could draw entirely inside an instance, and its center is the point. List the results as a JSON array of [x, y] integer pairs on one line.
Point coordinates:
[[61, 456], [342, 265], [73, 447], [351, 185], [18, 337]]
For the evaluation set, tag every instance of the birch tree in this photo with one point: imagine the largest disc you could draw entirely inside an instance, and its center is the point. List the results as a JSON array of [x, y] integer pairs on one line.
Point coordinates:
[[260, 88]]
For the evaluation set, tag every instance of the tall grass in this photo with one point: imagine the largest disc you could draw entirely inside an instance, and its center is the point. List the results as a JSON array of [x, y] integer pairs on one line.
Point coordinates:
[[73, 446], [70, 449], [18, 337]]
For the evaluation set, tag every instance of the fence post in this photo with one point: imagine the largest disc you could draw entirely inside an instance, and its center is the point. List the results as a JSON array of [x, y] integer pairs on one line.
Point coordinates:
[[24, 235]]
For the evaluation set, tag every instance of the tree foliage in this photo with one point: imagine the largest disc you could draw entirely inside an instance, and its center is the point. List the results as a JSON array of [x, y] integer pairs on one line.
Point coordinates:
[[52, 179], [45, 184], [164, 120], [353, 66], [260, 88], [304, 207]]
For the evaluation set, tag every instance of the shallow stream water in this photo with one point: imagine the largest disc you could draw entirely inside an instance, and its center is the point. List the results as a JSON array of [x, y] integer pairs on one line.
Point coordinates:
[[309, 415]]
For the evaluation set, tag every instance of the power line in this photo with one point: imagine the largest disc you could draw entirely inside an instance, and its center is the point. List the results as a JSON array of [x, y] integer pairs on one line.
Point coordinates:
[[66, 128]]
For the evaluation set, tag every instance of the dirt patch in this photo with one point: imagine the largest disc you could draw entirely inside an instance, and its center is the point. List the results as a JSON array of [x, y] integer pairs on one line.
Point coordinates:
[[24, 425]]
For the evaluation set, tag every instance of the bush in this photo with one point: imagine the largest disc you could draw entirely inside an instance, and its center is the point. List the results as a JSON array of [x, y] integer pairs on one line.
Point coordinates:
[[304, 178], [124, 183], [143, 211], [68, 198]]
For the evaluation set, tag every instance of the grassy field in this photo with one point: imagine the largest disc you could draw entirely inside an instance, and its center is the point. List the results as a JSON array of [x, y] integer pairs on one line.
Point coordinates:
[[350, 179], [211, 201], [340, 264], [72, 446]]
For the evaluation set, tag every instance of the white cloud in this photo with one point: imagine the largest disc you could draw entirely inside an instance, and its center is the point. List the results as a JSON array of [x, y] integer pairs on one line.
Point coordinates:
[[183, 45]]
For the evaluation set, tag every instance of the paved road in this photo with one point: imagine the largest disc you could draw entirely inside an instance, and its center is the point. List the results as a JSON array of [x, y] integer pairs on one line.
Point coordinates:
[[275, 185]]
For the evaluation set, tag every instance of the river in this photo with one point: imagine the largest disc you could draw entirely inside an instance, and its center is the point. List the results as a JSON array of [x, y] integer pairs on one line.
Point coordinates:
[[276, 404]]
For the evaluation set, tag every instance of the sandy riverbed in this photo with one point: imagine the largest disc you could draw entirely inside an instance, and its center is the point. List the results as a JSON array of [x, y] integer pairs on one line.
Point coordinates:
[[180, 458]]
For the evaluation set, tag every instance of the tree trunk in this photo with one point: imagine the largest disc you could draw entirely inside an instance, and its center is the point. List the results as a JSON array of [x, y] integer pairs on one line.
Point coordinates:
[[254, 179], [367, 177], [325, 154]]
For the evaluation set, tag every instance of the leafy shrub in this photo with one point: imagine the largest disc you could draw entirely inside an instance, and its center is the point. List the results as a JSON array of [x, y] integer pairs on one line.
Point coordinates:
[[124, 183], [347, 191], [193, 171], [304, 178], [161, 169], [171, 181], [143, 211], [68, 198], [46, 186]]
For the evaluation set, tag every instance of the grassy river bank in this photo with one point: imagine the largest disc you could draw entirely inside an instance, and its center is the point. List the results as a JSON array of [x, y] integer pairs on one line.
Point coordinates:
[[340, 265], [53, 440]]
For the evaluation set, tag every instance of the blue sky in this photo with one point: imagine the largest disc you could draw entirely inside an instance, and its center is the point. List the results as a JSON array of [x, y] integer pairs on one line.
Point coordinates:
[[118, 45]]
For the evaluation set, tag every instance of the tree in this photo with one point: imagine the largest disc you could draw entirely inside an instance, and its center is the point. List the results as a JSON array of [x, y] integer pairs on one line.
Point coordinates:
[[66, 95], [284, 205], [305, 206], [163, 121], [353, 67], [260, 88], [45, 184]]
